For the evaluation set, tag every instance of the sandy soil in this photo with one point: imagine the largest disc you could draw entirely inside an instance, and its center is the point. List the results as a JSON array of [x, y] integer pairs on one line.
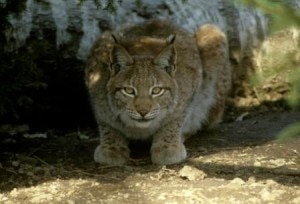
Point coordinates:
[[239, 162]]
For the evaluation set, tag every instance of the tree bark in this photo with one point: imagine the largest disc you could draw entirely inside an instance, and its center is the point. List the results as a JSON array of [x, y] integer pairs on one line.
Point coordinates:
[[84, 22], [51, 32]]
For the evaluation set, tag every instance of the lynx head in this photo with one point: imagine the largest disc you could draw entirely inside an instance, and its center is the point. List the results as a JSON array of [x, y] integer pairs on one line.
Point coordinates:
[[142, 89]]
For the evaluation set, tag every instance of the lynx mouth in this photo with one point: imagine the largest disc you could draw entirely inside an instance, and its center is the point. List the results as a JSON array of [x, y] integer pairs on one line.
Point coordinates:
[[143, 120], [142, 123]]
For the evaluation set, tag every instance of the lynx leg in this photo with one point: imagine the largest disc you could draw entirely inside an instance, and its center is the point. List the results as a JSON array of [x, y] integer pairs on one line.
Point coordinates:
[[113, 148], [213, 49], [167, 146], [216, 113]]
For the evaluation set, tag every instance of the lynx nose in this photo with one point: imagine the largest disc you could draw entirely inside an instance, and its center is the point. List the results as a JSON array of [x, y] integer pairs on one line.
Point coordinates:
[[143, 112]]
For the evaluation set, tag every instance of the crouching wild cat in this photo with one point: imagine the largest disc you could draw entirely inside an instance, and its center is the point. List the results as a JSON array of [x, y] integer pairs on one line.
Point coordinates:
[[159, 82]]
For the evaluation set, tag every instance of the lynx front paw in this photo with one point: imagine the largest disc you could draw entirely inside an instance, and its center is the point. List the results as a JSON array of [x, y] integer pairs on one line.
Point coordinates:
[[111, 155], [168, 153]]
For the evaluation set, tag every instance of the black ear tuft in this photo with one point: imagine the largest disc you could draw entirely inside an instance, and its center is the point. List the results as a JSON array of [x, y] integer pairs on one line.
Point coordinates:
[[170, 69], [171, 39], [115, 37]]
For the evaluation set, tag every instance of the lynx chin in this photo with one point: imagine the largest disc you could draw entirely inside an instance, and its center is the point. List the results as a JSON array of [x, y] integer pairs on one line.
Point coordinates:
[[157, 82]]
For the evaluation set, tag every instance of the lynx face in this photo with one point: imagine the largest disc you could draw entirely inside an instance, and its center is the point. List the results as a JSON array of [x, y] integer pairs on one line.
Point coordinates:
[[142, 90]]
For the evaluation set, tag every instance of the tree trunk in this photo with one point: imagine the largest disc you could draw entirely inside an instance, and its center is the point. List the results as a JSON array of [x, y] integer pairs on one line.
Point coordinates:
[[84, 22], [73, 28]]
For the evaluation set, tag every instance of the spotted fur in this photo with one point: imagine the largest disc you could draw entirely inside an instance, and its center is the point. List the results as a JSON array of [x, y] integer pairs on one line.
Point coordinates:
[[156, 82]]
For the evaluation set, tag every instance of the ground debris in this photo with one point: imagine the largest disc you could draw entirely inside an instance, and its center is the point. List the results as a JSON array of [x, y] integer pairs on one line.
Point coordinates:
[[233, 164]]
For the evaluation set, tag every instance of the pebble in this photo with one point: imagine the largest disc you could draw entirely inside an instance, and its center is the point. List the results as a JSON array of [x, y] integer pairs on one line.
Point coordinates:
[[257, 163], [251, 180], [15, 163], [70, 202], [191, 173], [296, 200], [236, 183], [266, 195], [271, 182]]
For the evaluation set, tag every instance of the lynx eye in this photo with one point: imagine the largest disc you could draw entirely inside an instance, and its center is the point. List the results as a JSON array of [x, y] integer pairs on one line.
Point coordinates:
[[129, 91], [157, 91]]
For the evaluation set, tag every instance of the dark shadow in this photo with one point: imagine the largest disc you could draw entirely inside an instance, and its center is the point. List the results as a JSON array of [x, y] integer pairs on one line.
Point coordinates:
[[282, 175], [29, 162]]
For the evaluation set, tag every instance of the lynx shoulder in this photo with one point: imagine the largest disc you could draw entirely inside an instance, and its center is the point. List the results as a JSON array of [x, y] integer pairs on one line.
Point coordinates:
[[159, 82]]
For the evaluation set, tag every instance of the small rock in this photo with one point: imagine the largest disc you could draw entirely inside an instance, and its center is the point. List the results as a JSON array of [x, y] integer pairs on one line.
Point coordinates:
[[21, 171], [271, 182], [236, 183], [83, 136], [35, 135], [15, 163], [162, 196], [267, 195], [202, 149], [251, 180], [14, 129], [296, 200], [39, 171], [9, 141], [30, 173], [70, 202], [257, 163], [191, 173]]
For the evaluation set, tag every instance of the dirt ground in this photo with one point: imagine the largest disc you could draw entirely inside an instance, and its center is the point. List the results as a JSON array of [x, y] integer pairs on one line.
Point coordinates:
[[238, 162]]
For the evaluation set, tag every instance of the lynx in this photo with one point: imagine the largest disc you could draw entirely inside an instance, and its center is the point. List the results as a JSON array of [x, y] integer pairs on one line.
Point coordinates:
[[157, 82]]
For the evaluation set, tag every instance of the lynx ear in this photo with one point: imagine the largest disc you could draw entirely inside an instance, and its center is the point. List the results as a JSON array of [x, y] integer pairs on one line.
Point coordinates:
[[116, 37], [167, 57], [120, 58], [170, 39]]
